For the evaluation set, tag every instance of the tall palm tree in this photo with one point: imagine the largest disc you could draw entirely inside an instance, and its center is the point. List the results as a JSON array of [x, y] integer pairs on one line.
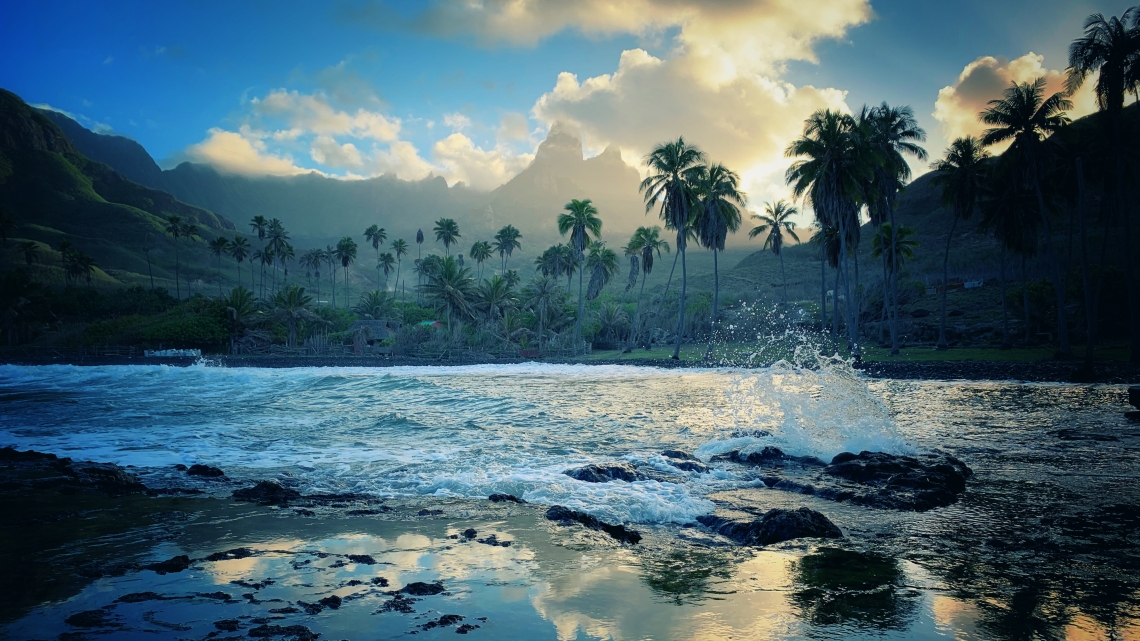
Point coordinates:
[[506, 242], [898, 248], [346, 253], [480, 252], [648, 242], [260, 225], [540, 295], [330, 258], [291, 306], [603, 264], [376, 304], [239, 251], [719, 200], [174, 226], [30, 250], [495, 297], [449, 286], [278, 241], [892, 133], [400, 248], [1111, 48], [776, 220], [190, 233], [446, 231], [240, 309], [386, 263], [669, 187], [419, 257], [287, 253], [836, 165], [377, 236], [960, 174], [1025, 116], [581, 221], [266, 257], [219, 246], [1009, 216]]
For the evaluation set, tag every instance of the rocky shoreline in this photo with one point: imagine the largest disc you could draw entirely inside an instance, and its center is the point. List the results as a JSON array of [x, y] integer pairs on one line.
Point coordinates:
[[1068, 371]]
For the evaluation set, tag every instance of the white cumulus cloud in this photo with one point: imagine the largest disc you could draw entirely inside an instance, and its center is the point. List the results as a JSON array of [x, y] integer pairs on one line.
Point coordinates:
[[461, 160], [241, 154]]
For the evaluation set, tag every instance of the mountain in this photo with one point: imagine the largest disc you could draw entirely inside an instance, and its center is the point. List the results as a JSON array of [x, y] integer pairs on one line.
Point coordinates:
[[53, 192], [318, 209]]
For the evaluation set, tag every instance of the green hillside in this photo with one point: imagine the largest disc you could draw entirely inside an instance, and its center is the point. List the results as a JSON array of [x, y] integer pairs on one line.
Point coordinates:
[[53, 193]]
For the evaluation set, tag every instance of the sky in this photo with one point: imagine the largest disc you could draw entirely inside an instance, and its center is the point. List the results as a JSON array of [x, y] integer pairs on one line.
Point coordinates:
[[467, 89]]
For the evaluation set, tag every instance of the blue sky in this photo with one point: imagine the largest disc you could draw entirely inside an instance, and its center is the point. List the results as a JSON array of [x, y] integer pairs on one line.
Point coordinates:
[[362, 88]]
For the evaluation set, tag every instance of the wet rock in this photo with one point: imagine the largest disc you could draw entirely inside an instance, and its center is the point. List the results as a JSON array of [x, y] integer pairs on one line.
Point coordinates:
[[565, 516], [180, 467], [219, 596], [331, 602], [229, 555], [90, 619], [678, 454], [768, 457], [363, 559], [228, 625], [465, 628], [303, 512], [295, 632], [774, 527], [207, 471], [422, 589], [311, 608], [605, 472], [445, 620], [493, 541], [380, 581], [139, 597], [427, 512], [285, 610], [690, 466], [253, 585], [916, 483], [47, 471], [501, 498], [267, 493], [470, 533], [399, 603], [369, 511], [171, 565]]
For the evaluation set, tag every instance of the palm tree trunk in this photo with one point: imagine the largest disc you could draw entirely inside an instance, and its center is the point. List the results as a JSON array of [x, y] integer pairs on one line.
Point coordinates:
[[149, 270], [177, 271], [399, 263], [635, 329], [1090, 308], [835, 306], [716, 304], [945, 278], [1025, 296], [581, 309], [1005, 340], [853, 346], [783, 276], [892, 263], [1063, 349], [346, 286], [332, 273], [884, 317], [681, 311], [822, 289], [661, 303], [219, 275], [318, 289]]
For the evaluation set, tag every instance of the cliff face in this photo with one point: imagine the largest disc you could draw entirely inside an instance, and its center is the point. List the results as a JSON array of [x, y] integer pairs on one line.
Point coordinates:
[[123, 154]]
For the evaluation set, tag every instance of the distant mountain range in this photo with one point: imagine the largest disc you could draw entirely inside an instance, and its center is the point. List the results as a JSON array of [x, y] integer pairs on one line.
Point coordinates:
[[320, 209]]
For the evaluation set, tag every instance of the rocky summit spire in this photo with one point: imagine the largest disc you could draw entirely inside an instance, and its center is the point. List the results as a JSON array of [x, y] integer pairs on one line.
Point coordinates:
[[562, 145]]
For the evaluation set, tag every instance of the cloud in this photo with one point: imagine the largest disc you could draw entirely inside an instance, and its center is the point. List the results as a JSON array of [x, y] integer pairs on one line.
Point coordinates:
[[513, 126], [108, 60], [345, 86], [327, 151], [457, 121], [461, 160], [241, 153], [985, 79], [314, 113]]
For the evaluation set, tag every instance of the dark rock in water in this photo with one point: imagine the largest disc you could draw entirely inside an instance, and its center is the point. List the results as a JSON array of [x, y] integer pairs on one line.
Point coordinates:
[[107, 478], [427, 512], [311, 608], [204, 470], [916, 483], [445, 620], [295, 632], [363, 559], [139, 597], [380, 581], [90, 619], [171, 565], [229, 555], [774, 527], [220, 596], [253, 585], [399, 603], [285, 610], [228, 625], [267, 493], [501, 498], [605, 472], [690, 466], [180, 467], [465, 628], [48, 471], [769, 456], [331, 602], [678, 454], [1134, 396], [494, 541], [565, 516], [369, 511], [470, 533], [422, 589]]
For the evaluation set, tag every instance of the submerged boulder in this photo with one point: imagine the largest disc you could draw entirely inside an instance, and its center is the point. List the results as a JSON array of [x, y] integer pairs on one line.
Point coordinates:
[[605, 472], [267, 493], [565, 516], [207, 471], [504, 498], [770, 456], [916, 483], [775, 526]]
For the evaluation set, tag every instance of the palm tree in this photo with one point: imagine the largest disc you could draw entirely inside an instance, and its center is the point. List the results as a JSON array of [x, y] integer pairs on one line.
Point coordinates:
[[1008, 215], [447, 231], [265, 257], [400, 247], [495, 297], [449, 286], [419, 257], [1025, 116], [346, 253], [960, 174], [836, 166], [190, 233], [30, 250], [898, 248], [603, 264], [480, 252], [540, 294], [648, 241], [240, 308], [376, 305], [386, 263], [278, 242], [287, 254], [719, 200], [1111, 48], [329, 255], [892, 133], [219, 246], [506, 242], [174, 227], [669, 186], [290, 306], [581, 221], [81, 265], [239, 250], [776, 220], [377, 236], [259, 225]]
